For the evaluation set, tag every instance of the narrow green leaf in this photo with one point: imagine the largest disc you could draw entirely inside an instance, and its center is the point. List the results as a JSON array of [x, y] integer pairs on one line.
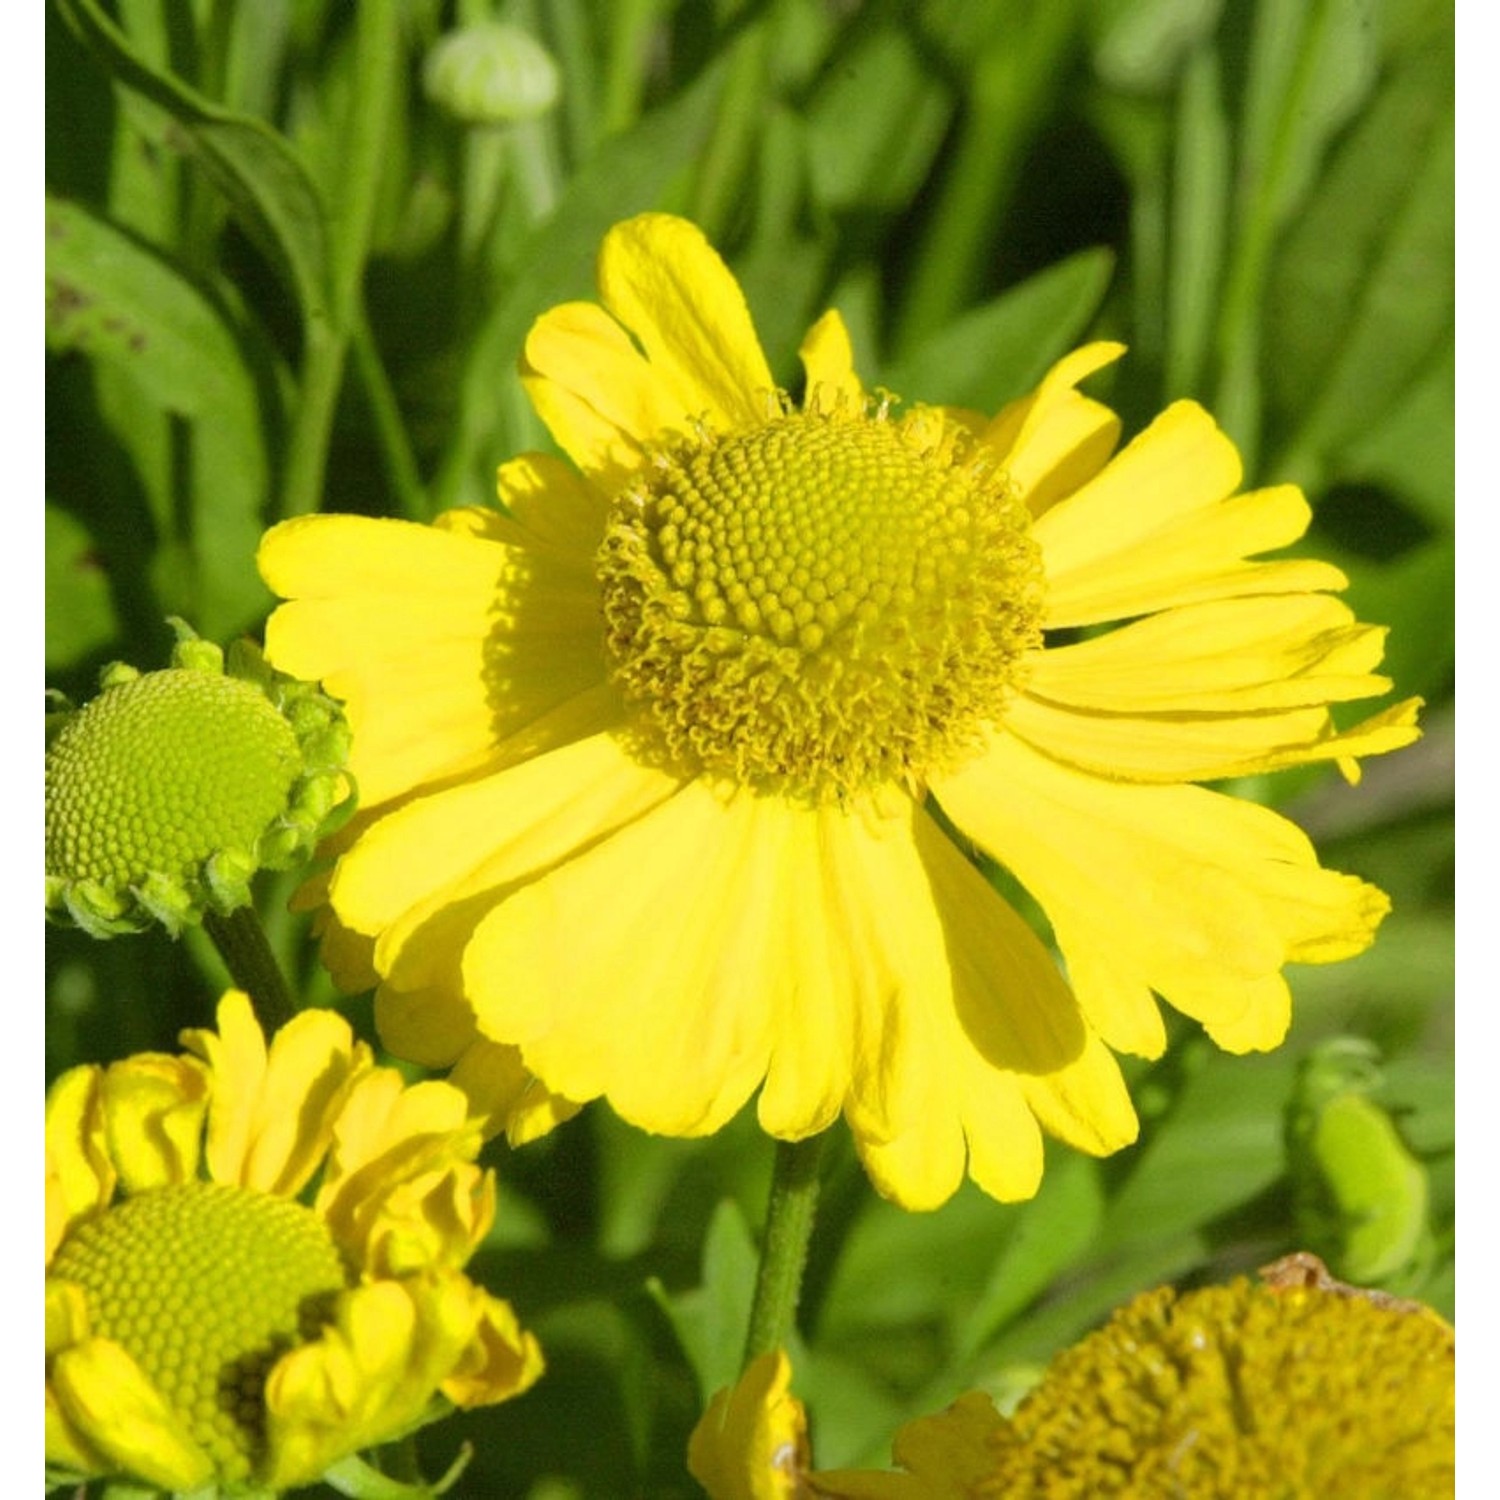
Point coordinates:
[[999, 351], [1200, 206], [254, 168], [80, 613], [1363, 296]]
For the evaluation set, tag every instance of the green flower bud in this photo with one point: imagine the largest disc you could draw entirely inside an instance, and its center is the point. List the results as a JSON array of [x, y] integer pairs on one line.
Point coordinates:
[[1361, 1198], [171, 789], [491, 74]]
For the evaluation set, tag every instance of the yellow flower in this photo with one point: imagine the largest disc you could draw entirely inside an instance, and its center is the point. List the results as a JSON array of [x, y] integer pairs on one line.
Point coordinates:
[[204, 1323], [672, 767], [751, 1443], [1301, 1392]]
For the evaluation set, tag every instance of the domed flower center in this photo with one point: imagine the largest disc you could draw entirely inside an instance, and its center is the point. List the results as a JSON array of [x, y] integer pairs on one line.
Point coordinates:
[[206, 1286], [158, 773], [1240, 1390], [832, 601]]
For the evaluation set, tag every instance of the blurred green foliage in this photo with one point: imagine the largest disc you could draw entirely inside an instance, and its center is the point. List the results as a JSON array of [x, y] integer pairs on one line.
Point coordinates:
[[280, 278]]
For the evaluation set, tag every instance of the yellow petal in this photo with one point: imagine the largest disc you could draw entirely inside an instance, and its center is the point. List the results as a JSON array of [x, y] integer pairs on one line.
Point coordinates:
[[1244, 655], [80, 1175], [65, 1446], [272, 1113], [505, 1095], [501, 1361], [751, 1443], [600, 399], [1197, 895], [369, 1376], [67, 1315], [1108, 556], [106, 1397], [603, 398], [528, 817], [1181, 747], [554, 503], [444, 646], [401, 1191], [828, 359], [431, 1024], [817, 1011], [1054, 440], [550, 967], [1026, 1039], [945, 1457], [897, 974], [1118, 1003], [154, 1107], [664, 281]]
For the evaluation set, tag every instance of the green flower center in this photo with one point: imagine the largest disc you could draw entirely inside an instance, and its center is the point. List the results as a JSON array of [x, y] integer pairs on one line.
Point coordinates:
[[833, 601], [157, 774], [205, 1286]]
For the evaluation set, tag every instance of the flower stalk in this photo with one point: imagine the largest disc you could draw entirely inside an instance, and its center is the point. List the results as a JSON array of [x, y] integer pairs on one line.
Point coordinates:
[[246, 951], [783, 1256]]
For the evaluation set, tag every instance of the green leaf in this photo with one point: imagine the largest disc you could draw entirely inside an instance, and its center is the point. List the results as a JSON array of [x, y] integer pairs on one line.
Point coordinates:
[[1219, 1146], [251, 165], [1362, 301], [80, 613], [1411, 449], [999, 351], [127, 307], [711, 1320], [875, 125], [1199, 217], [1052, 1231]]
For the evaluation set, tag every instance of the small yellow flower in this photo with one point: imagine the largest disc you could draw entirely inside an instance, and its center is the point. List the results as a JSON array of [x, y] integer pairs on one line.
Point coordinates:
[[254, 1259], [672, 767], [1302, 1392]]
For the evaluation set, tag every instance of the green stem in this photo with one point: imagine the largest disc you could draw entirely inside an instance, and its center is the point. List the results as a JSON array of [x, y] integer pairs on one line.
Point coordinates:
[[372, 105], [243, 946], [390, 430], [783, 1254], [630, 23]]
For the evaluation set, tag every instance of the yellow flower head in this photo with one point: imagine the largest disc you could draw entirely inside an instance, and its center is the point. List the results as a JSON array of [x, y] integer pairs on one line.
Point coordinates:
[[1240, 1390], [672, 767], [1304, 1392], [254, 1259]]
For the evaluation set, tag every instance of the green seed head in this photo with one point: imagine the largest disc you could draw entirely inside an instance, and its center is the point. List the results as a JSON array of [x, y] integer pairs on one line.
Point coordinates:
[[170, 789], [829, 602], [206, 1286]]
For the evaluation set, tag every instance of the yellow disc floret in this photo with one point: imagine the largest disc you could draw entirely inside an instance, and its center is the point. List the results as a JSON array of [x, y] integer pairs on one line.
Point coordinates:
[[830, 601], [205, 1286], [157, 773], [1240, 1390]]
